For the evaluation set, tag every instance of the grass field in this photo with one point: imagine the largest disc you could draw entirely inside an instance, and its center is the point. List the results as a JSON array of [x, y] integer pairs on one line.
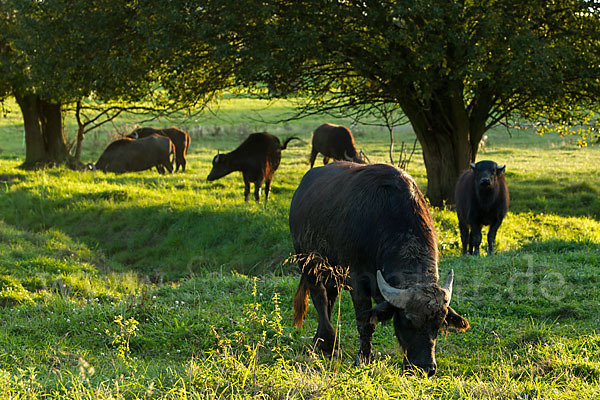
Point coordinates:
[[147, 286]]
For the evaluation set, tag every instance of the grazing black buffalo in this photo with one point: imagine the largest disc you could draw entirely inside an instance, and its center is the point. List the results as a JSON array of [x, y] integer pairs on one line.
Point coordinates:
[[333, 141], [481, 199], [128, 155], [257, 157], [374, 220], [181, 140]]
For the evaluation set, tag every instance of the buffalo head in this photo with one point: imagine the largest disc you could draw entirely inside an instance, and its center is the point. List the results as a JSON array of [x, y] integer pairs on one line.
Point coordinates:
[[486, 174], [419, 312], [220, 167]]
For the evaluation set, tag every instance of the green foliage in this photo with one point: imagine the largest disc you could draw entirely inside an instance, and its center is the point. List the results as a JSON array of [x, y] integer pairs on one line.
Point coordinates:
[[50, 44], [455, 69], [500, 57], [121, 337]]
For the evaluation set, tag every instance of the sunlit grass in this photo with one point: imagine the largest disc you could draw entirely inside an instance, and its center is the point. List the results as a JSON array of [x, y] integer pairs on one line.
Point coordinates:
[[205, 274]]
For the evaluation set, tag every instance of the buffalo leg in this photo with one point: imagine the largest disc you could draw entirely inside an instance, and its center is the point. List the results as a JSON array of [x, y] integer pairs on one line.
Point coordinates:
[[492, 236], [168, 165], [160, 169], [246, 188], [464, 236], [325, 160], [267, 189], [313, 157], [476, 238], [470, 251], [183, 163], [362, 304], [257, 187], [332, 294], [325, 336], [179, 161]]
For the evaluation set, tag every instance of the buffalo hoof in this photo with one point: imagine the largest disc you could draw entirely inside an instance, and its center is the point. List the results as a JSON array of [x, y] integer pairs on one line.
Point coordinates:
[[325, 348], [363, 358], [327, 355]]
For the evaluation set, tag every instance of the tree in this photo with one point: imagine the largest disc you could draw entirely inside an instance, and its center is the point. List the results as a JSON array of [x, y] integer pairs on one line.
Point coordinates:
[[59, 52], [455, 68]]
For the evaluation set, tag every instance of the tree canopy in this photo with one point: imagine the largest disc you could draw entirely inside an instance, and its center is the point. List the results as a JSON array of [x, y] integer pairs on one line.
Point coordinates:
[[59, 52], [454, 68]]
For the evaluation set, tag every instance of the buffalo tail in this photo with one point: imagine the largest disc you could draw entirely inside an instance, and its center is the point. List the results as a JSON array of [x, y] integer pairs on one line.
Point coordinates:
[[301, 302]]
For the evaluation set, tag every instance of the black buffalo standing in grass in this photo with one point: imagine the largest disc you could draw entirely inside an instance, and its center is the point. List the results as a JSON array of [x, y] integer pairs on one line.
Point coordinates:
[[257, 158], [181, 140], [128, 155], [333, 141], [481, 199], [374, 220]]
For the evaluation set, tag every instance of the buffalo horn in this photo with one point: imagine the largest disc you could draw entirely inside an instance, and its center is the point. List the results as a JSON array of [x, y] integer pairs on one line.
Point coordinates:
[[448, 285], [347, 157], [396, 297], [473, 165]]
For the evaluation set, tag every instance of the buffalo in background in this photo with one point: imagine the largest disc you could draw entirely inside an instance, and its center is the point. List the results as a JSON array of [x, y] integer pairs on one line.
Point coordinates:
[[128, 155], [333, 141], [481, 199], [181, 140], [374, 220], [258, 158]]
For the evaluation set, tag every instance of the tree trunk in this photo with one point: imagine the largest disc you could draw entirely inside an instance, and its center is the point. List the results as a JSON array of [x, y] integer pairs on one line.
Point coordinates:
[[52, 129], [79, 143], [391, 131], [44, 136], [35, 149], [446, 152], [449, 136], [444, 162]]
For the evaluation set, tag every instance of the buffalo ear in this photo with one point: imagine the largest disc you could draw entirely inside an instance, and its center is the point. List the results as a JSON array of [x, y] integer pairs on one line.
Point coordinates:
[[216, 159], [455, 320], [500, 169], [473, 166], [381, 312]]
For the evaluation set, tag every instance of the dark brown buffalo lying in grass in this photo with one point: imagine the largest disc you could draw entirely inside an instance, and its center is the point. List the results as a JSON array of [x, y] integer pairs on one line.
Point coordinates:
[[373, 220], [333, 141], [128, 155], [257, 158], [481, 199], [181, 140]]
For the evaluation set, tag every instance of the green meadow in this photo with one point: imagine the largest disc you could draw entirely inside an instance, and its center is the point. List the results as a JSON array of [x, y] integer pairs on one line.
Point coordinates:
[[143, 285]]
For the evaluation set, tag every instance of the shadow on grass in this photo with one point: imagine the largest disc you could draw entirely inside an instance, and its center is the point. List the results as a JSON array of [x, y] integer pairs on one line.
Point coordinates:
[[559, 246], [553, 280], [158, 240], [574, 196]]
